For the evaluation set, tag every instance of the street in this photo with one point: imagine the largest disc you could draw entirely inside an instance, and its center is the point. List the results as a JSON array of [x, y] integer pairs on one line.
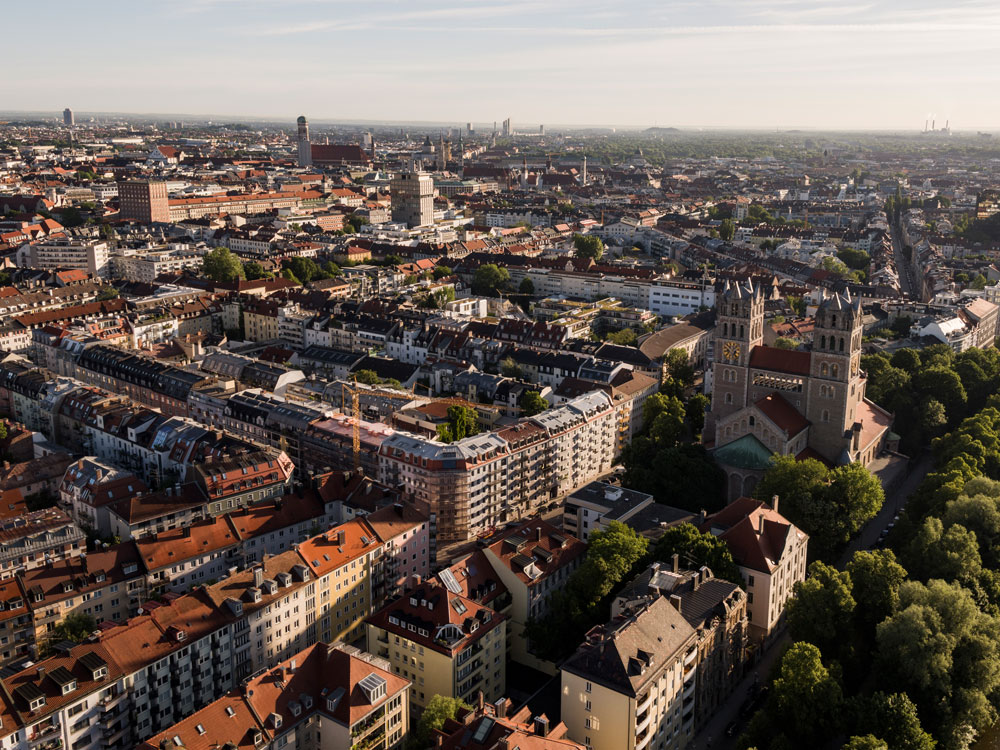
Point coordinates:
[[903, 267], [712, 735]]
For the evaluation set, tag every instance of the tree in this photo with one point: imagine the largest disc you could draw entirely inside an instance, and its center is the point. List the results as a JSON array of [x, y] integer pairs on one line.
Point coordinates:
[[286, 273], [979, 282], [906, 359], [944, 653], [875, 581], [868, 742], [509, 368], [727, 230], [74, 627], [305, 269], [489, 280], [624, 337], [694, 549], [527, 286], [439, 709], [588, 246], [696, 408], [367, 377], [678, 366], [462, 422], [221, 265], [254, 270], [806, 696], [532, 403], [788, 344], [893, 716], [441, 271], [856, 259], [822, 609], [107, 293]]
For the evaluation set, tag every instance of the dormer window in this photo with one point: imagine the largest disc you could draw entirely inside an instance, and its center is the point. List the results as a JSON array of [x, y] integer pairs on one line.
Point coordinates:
[[69, 687], [36, 703]]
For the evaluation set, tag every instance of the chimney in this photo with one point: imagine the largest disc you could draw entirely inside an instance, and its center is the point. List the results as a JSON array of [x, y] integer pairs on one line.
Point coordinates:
[[702, 515], [760, 524], [676, 560], [258, 576], [538, 534], [480, 701], [774, 503], [675, 600], [541, 726], [500, 707], [41, 672]]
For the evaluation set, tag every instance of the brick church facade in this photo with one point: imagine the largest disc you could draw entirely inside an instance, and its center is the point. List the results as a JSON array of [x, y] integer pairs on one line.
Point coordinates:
[[768, 401]]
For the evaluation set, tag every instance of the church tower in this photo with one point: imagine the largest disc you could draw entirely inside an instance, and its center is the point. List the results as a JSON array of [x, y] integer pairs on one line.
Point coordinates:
[[836, 386], [302, 140], [739, 327]]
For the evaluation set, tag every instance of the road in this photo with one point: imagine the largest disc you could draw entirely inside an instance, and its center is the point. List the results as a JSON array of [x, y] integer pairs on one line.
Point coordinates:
[[903, 267], [712, 735]]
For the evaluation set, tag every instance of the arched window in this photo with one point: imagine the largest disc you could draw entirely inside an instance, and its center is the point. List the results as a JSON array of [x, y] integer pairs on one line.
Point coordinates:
[[753, 420], [729, 431], [835, 370], [841, 343], [822, 342], [822, 391], [741, 331], [826, 416], [833, 321], [729, 398], [824, 369]]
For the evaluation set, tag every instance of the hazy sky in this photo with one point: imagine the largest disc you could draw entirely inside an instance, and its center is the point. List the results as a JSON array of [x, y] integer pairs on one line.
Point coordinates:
[[728, 63]]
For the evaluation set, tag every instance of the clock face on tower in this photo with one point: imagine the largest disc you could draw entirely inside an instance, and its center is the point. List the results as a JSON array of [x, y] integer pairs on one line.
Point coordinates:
[[731, 350]]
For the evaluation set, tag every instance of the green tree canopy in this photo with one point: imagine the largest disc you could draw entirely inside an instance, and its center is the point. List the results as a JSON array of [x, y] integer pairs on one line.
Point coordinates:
[[867, 742], [694, 549], [588, 246], [439, 709], [532, 403], [489, 280], [527, 286], [254, 270], [221, 265], [822, 609], [727, 230]]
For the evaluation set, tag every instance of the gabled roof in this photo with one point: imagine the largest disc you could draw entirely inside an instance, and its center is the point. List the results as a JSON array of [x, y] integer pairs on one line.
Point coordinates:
[[784, 416], [746, 452], [755, 534]]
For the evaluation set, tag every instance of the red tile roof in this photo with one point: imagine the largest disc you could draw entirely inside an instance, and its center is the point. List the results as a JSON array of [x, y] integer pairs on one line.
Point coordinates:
[[783, 414], [780, 360]]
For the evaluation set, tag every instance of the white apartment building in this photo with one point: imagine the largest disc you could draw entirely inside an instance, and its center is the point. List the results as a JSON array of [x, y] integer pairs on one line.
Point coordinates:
[[91, 256]]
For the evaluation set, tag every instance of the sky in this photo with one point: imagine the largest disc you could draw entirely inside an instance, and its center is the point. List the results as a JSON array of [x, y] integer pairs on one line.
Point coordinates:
[[884, 64]]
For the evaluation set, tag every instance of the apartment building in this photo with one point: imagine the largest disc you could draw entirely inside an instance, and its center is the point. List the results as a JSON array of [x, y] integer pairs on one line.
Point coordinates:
[[715, 608], [533, 560], [59, 251], [405, 532], [632, 683], [327, 697], [444, 643], [108, 585], [592, 507], [347, 564], [246, 203], [201, 552], [771, 554], [37, 538], [17, 634], [483, 481]]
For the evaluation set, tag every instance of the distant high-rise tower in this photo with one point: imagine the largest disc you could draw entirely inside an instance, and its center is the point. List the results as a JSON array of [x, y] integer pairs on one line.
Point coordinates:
[[305, 147], [541, 130], [68, 117], [412, 195], [144, 201], [468, 128], [506, 128]]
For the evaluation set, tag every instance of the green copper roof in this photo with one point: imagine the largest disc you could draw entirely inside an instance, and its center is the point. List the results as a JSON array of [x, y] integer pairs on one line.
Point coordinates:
[[745, 453]]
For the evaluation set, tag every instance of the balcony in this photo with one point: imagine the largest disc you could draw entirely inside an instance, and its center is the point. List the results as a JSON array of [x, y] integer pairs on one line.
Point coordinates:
[[45, 736], [644, 703]]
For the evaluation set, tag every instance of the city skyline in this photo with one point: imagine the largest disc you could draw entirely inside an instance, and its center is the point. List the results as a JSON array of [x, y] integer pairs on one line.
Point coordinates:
[[720, 64]]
